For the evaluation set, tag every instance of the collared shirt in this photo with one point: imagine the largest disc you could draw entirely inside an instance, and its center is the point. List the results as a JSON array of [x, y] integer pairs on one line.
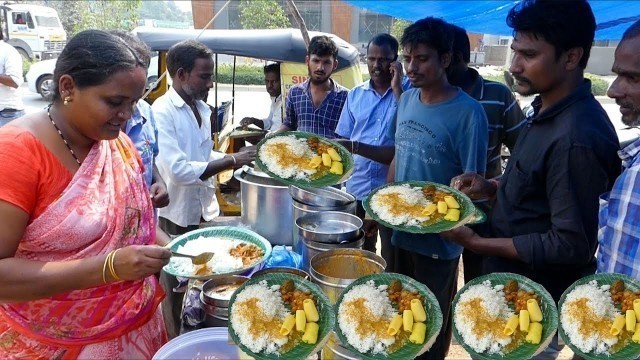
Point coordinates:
[[302, 115], [186, 150], [547, 201], [274, 120], [366, 117], [619, 233], [143, 132], [11, 65], [504, 116]]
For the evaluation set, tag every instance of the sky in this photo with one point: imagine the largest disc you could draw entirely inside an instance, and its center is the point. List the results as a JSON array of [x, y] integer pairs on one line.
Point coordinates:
[[184, 5]]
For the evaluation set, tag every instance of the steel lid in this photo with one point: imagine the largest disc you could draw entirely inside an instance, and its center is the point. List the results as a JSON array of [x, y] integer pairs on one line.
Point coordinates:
[[321, 196]]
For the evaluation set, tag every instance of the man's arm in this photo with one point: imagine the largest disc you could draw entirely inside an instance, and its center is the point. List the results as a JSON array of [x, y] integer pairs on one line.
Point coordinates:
[[12, 75], [574, 182]]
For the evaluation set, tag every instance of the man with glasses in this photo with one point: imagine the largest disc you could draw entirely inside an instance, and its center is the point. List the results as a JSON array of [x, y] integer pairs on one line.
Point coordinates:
[[366, 117]]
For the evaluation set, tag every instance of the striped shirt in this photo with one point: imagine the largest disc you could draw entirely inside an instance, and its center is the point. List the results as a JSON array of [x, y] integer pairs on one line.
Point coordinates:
[[301, 115], [504, 116], [619, 216]]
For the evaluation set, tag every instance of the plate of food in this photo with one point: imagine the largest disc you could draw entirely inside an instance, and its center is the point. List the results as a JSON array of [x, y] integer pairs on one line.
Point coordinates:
[[387, 316], [504, 316], [304, 159], [599, 317], [280, 315], [246, 131], [235, 249], [421, 207]]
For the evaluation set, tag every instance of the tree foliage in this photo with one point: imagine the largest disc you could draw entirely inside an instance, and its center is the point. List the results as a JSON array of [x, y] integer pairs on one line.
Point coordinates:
[[398, 26], [262, 14], [164, 10]]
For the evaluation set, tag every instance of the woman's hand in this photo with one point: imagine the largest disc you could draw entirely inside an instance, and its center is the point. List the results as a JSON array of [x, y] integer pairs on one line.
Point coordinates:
[[140, 261]]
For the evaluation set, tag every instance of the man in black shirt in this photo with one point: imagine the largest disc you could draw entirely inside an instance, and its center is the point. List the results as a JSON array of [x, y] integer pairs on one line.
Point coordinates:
[[545, 216]]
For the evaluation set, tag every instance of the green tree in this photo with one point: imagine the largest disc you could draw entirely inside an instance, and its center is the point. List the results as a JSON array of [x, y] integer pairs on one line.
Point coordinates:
[[107, 15], [398, 26], [262, 14]]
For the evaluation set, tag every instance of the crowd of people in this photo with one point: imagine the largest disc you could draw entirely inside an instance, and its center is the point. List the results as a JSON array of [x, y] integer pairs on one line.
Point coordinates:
[[85, 180]]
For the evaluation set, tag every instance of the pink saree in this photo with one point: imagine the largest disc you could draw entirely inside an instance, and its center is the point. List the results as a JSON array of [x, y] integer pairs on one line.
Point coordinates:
[[105, 206]]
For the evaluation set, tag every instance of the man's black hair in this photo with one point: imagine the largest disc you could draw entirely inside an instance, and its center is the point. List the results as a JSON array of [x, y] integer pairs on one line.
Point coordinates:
[[322, 45], [461, 43], [564, 24], [272, 68], [632, 32], [184, 55], [432, 32], [385, 40]]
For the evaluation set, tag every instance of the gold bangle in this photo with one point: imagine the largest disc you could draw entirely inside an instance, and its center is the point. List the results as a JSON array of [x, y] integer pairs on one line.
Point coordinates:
[[112, 269], [104, 268]]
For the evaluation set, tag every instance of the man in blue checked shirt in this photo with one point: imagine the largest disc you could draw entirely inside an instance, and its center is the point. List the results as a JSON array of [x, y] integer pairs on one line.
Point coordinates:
[[366, 117], [619, 217], [315, 105]]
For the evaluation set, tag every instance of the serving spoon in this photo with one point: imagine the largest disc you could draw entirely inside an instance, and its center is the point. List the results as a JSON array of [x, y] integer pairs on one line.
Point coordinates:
[[199, 259]]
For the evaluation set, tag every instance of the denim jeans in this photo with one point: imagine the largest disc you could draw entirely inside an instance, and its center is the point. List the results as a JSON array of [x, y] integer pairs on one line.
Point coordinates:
[[6, 116]]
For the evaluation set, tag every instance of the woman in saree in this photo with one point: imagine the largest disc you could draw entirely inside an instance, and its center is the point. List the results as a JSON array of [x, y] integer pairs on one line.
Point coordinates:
[[77, 253]]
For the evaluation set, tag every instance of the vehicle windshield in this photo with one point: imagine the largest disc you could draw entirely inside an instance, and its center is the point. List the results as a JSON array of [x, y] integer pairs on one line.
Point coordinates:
[[47, 21]]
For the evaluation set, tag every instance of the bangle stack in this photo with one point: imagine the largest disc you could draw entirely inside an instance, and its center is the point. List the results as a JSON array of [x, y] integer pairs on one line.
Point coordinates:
[[108, 263]]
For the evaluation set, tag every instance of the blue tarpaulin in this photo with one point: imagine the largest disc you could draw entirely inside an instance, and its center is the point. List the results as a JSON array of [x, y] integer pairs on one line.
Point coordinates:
[[488, 17]]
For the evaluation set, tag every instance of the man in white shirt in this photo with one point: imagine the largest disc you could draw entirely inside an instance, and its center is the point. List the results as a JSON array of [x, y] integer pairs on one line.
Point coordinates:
[[272, 83], [11, 106], [186, 159]]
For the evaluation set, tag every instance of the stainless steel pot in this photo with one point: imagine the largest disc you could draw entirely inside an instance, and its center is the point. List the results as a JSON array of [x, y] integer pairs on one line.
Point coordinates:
[[312, 248], [329, 226], [299, 210], [282, 269], [266, 206], [207, 296], [334, 269]]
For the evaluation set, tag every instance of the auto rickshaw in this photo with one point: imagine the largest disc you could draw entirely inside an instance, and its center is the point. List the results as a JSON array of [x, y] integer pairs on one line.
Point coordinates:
[[285, 46]]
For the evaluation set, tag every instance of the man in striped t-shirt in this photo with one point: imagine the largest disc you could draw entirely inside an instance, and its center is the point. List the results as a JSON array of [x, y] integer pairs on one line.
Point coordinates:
[[504, 116]]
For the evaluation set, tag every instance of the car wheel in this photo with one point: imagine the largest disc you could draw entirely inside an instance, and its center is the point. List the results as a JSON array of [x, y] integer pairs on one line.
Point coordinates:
[[45, 87]]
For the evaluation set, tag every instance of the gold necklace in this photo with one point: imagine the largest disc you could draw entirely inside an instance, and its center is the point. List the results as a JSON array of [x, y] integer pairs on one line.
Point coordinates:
[[62, 137]]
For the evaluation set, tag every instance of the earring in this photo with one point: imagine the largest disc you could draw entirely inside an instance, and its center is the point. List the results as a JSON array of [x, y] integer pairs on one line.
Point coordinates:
[[67, 100]]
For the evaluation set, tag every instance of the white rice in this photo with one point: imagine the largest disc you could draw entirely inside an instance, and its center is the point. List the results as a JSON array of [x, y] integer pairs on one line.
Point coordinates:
[[298, 147], [378, 303], [221, 262], [270, 302], [495, 304], [410, 195], [600, 302]]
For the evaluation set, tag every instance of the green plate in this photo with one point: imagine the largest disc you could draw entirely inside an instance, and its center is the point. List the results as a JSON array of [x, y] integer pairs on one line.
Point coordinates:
[[631, 350], [409, 350], [301, 350], [327, 180], [469, 213], [549, 316], [227, 232]]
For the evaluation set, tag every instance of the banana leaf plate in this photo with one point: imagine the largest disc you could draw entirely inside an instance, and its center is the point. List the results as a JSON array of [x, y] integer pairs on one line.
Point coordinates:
[[409, 350], [301, 350], [469, 213], [631, 350], [329, 179], [524, 350], [177, 267]]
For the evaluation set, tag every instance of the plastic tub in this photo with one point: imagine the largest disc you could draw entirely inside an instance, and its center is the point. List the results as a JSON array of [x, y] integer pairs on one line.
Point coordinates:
[[203, 344]]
